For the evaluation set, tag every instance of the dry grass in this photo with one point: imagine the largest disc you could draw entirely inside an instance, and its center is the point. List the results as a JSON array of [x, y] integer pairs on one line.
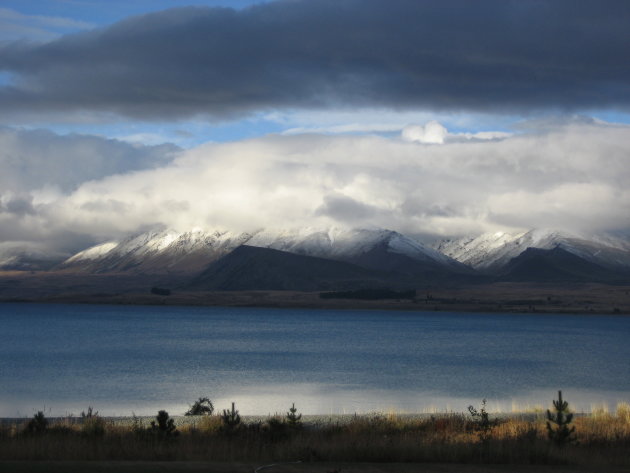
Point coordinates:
[[604, 440]]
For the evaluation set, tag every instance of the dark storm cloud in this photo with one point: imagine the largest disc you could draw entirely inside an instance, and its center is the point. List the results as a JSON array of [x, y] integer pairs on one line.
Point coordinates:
[[488, 55], [19, 206], [345, 209], [33, 159]]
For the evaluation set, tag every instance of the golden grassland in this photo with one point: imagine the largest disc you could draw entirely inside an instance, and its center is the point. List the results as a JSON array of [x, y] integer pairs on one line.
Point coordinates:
[[603, 441]]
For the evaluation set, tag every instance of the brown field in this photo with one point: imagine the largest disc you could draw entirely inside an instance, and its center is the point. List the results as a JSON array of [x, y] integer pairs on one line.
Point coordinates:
[[437, 443], [497, 297]]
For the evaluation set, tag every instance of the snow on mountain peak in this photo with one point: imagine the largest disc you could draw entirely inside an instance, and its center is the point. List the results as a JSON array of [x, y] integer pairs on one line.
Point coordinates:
[[93, 253], [173, 251], [169, 248], [494, 250]]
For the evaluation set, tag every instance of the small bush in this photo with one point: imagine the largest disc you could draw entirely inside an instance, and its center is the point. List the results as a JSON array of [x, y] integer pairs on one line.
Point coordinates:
[[89, 414], [136, 424], [38, 424], [165, 425], [201, 407], [93, 424], [209, 424], [276, 429], [623, 412], [93, 427], [483, 425]]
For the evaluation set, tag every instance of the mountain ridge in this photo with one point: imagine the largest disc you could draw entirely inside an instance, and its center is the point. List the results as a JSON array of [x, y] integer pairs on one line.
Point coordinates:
[[491, 252], [189, 252], [484, 258]]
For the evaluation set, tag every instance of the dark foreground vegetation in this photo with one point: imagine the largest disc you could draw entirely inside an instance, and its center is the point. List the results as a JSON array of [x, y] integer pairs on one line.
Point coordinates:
[[597, 440]]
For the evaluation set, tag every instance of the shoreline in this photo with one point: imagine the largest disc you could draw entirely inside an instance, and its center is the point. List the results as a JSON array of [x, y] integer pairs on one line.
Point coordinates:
[[498, 297], [310, 420], [527, 301]]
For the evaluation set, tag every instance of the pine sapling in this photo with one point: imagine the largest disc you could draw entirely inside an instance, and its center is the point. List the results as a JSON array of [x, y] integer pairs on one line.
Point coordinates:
[[560, 433], [230, 419], [293, 418]]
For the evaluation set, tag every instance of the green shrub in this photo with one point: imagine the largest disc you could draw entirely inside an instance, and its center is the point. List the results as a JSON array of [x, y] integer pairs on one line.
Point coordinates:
[[201, 407], [561, 434], [136, 424], [93, 425], [276, 429], [483, 425], [165, 425], [293, 418], [38, 424], [230, 420], [89, 414], [209, 424]]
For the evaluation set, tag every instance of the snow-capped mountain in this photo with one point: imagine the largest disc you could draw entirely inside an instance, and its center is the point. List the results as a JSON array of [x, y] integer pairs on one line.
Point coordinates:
[[169, 251], [157, 251], [346, 244], [493, 251]]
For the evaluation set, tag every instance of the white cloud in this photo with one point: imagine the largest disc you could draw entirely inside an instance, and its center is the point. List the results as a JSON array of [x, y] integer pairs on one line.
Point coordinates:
[[481, 135], [16, 25], [572, 177], [380, 120], [146, 138], [432, 133], [346, 128]]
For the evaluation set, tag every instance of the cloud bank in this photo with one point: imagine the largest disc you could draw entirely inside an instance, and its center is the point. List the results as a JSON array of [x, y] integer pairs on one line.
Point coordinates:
[[571, 177], [487, 55], [38, 159], [39, 166]]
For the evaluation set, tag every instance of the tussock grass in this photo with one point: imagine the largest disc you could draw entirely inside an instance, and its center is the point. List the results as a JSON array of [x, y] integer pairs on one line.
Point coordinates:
[[604, 440]]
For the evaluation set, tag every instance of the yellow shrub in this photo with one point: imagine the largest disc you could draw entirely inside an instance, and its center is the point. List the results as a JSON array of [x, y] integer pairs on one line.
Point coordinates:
[[623, 412], [209, 424]]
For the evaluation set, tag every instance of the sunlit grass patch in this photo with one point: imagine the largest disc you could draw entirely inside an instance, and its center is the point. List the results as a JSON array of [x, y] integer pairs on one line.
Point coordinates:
[[603, 439]]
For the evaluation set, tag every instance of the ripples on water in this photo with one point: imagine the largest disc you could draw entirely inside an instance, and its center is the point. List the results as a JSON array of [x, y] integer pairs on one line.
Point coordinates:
[[138, 358]]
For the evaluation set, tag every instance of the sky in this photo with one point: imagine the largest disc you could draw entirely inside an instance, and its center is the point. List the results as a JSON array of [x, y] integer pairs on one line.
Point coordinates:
[[437, 119]]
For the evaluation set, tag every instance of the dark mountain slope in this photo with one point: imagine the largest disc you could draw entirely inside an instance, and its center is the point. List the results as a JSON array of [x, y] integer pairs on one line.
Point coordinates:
[[254, 268], [557, 265], [422, 271]]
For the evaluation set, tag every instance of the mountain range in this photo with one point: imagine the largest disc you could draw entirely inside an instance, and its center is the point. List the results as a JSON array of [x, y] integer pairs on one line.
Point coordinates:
[[312, 259]]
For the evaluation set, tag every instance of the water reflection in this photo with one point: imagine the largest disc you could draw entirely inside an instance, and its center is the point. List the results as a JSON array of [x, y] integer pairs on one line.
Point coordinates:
[[141, 359]]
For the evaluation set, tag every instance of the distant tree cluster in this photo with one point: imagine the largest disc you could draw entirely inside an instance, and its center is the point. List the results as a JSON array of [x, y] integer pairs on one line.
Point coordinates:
[[160, 291], [369, 294]]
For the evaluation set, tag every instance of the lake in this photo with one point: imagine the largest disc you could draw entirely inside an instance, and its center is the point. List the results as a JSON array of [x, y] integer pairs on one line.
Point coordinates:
[[124, 359]]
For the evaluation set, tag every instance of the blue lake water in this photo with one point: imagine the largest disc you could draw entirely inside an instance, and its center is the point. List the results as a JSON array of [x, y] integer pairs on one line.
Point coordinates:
[[124, 359]]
